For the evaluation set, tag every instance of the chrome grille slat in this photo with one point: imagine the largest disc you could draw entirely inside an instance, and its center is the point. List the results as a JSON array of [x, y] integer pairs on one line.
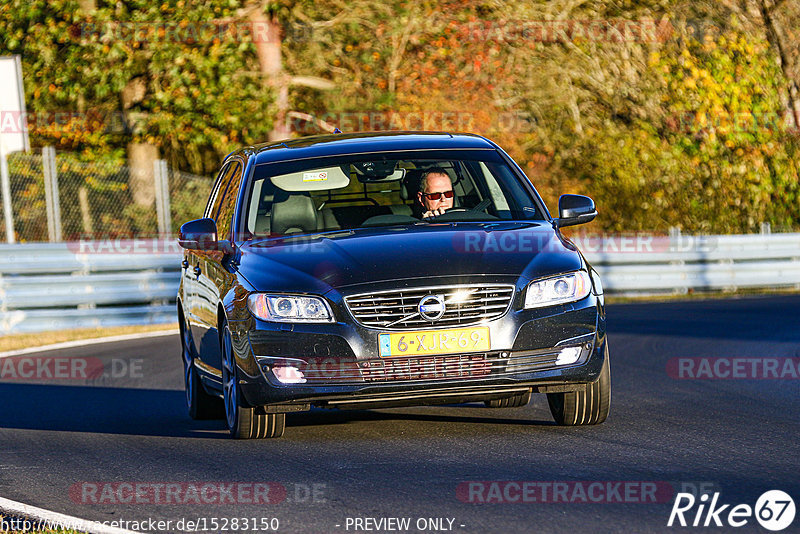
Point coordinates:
[[502, 302], [487, 307], [476, 304], [373, 299], [443, 321]]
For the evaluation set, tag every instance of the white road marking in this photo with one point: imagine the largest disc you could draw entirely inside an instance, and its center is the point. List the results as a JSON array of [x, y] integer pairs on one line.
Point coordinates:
[[10, 507], [83, 342]]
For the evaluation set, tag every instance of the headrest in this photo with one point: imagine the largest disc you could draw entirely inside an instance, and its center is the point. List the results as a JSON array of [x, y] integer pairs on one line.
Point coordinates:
[[292, 213], [409, 186]]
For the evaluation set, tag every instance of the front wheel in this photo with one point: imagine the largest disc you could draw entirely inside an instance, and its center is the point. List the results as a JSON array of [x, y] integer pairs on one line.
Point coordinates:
[[587, 406], [244, 422]]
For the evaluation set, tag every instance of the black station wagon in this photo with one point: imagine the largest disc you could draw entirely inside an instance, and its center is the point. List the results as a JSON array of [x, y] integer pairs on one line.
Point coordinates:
[[390, 269]]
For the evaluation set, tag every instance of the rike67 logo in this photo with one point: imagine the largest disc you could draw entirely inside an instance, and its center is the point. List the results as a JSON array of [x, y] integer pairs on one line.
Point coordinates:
[[774, 510]]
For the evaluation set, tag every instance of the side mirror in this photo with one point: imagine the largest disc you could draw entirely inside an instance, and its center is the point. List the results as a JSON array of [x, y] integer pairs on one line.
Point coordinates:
[[201, 234], [575, 209]]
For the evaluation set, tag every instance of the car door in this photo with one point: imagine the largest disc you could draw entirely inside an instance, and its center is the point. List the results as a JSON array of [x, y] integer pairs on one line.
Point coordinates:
[[212, 273], [191, 270], [196, 267]]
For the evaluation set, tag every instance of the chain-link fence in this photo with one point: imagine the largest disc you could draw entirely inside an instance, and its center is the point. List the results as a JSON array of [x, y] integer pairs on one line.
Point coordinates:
[[57, 197], [188, 195], [28, 203]]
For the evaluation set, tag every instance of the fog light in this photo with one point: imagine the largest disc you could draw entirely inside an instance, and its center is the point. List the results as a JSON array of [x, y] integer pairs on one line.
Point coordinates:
[[568, 355], [287, 374]]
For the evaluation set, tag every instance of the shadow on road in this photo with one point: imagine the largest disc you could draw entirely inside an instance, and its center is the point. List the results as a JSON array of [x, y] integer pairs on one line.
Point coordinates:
[[150, 412], [131, 411], [758, 318], [319, 417]]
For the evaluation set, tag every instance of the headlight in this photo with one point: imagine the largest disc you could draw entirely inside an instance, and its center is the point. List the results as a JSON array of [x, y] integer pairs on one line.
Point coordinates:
[[289, 308], [558, 290]]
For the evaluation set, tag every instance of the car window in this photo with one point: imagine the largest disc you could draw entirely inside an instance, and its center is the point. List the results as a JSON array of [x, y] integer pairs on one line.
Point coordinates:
[[334, 193], [212, 203], [495, 191], [227, 203]]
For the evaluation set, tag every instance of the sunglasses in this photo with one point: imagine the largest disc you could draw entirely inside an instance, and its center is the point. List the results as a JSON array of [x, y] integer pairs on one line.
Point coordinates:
[[438, 195]]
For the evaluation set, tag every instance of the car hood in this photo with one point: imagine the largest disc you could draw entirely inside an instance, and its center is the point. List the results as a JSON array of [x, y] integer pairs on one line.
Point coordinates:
[[332, 260]]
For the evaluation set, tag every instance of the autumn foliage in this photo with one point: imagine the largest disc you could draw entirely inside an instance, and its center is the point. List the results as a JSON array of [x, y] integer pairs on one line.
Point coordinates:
[[666, 113]]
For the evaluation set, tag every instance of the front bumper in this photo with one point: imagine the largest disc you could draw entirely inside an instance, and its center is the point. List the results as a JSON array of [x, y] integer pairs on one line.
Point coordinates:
[[342, 368]]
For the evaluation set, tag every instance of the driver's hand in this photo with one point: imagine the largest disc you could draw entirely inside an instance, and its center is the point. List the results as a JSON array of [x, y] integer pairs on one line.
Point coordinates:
[[433, 213]]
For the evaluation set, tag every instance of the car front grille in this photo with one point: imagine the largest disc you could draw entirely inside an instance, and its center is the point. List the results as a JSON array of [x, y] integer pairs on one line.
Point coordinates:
[[427, 368], [398, 309]]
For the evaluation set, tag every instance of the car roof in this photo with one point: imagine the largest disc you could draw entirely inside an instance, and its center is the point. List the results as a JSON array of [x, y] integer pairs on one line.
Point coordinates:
[[362, 143]]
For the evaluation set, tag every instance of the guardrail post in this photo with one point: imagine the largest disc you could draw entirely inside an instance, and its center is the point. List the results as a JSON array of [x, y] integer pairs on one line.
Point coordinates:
[[161, 186], [86, 214], [52, 202], [674, 238], [6, 187], [676, 245], [165, 198]]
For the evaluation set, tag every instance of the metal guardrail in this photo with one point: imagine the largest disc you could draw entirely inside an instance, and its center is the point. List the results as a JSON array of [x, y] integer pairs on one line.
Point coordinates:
[[677, 264], [57, 286]]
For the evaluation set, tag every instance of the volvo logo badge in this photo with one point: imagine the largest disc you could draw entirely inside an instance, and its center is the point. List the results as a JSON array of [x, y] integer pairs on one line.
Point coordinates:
[[431, 307]]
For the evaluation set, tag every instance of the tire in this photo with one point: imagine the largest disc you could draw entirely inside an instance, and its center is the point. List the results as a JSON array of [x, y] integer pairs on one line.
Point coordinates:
[[589, 405], [244, 422], [199, 403], [515, 401]]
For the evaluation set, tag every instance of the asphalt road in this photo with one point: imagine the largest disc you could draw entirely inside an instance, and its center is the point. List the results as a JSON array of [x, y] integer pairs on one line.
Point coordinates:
[[62, 440]]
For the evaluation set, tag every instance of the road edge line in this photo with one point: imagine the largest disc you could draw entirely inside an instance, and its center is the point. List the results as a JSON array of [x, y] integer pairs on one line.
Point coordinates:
[[87, 341], [64, 521]]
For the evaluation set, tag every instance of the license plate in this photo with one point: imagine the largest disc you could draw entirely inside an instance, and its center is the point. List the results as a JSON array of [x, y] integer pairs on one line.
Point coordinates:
[[454, 341]]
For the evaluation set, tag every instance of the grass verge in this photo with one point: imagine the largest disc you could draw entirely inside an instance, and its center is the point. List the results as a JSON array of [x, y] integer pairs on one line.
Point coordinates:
[[701, 295], [37, 339]]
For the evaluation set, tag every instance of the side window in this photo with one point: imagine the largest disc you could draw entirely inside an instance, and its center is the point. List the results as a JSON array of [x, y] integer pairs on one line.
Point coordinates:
[[220, 184], [496, 193], [227, 205]]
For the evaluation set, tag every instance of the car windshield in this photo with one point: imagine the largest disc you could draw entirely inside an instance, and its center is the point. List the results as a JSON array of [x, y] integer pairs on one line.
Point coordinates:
[[369, 190]]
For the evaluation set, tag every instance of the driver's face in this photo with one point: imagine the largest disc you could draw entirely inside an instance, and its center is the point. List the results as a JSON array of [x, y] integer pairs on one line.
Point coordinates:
[[437, 183]]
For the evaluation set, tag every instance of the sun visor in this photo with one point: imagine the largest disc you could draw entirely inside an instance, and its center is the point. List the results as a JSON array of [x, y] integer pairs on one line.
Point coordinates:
[[312, 180]]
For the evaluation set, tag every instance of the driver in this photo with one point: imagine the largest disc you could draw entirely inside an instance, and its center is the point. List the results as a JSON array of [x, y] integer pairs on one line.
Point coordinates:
[[435, 192]]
